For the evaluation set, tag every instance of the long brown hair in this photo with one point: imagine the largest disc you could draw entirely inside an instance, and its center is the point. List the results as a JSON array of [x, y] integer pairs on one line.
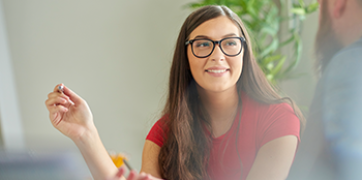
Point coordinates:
[[185, 153]]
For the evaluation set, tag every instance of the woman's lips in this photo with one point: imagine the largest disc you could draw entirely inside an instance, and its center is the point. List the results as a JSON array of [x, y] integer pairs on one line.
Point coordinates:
[[216, 72]]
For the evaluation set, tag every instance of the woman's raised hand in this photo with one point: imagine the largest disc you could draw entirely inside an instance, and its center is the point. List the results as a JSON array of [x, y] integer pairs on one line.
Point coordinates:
[[69, 113]]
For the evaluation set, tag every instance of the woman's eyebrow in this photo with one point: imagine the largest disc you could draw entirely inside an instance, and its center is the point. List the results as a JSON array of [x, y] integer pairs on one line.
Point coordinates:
[[206, 37], [230, 35], [201, 37]]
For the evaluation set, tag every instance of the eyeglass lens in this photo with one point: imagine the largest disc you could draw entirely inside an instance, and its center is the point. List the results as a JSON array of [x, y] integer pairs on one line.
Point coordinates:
[[204, 47]]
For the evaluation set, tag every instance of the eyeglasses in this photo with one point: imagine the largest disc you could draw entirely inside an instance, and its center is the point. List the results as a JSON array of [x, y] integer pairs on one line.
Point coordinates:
[[230, 46]]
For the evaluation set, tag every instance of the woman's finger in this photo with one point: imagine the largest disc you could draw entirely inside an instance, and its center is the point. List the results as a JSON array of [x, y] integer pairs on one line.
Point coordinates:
[[67, 92], [56, 94], [57, 101], [148, 177], [72, 95], [58, 108], [57, 98], [56, 114], [120, 172], [56, 87], [143, 176], [132, 175]]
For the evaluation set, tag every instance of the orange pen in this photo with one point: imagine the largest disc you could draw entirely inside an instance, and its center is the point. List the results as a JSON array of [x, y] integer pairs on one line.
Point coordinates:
[[119, 160]]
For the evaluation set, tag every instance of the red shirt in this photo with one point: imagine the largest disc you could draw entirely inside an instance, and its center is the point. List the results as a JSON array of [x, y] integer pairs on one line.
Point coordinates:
[[260, 123]]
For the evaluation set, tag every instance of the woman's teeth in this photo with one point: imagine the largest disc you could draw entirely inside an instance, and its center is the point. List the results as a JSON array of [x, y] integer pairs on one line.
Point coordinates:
[[216, 71]]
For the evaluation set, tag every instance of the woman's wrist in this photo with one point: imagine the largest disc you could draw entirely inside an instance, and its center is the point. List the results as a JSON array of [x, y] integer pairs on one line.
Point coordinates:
[[88, 136], [95, 155]]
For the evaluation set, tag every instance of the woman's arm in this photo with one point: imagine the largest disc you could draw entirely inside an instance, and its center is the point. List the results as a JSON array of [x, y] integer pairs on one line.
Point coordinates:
[[96, 156], [274, 159], [150, 159], [70, 114]]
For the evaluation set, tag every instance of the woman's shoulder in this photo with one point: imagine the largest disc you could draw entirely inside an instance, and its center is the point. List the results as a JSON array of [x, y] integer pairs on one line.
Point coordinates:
[[281, 107], [266, 109], [269, 120], [158, 132], [162, 123]]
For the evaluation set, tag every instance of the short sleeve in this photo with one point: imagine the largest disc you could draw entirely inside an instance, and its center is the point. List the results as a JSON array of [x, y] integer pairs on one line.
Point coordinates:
[[157, 133], [278, 121]]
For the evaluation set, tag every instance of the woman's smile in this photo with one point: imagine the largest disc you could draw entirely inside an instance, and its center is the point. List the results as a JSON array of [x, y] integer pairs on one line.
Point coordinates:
[[217, 71]]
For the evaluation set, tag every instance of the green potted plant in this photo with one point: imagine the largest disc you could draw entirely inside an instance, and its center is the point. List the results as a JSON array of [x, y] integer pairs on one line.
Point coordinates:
[[264, 20]]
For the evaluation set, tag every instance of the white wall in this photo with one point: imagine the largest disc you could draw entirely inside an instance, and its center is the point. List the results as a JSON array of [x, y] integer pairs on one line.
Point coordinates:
[[11, 132], [115, 54]]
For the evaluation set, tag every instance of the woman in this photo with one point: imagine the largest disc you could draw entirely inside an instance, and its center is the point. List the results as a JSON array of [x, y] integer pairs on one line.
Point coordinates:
[[222, 119]]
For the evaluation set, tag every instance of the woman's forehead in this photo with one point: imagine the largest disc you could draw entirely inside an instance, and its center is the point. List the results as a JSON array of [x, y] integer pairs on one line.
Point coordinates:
[[216, 28]]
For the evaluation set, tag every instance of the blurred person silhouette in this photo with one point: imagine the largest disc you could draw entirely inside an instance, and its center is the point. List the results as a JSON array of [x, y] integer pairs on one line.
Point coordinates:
[[331, 146], [222, 119]]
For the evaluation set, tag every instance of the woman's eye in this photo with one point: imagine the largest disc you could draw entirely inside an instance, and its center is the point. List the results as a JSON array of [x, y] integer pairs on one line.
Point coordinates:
[[231, 43], [202, 44]]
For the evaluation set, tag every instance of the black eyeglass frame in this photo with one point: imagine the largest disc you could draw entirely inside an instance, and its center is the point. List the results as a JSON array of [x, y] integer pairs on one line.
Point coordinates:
[[242, 39]]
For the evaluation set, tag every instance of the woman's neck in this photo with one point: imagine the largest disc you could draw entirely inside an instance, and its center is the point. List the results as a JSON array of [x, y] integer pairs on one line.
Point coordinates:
[[220, 106]]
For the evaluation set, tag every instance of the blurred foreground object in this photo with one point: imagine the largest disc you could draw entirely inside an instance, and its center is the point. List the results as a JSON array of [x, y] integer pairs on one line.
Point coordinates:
[[40, 166], [117, 159], [120, 159]]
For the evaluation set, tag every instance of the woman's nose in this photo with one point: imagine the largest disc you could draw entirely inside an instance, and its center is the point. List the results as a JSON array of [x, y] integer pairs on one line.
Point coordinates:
[[217, 54]]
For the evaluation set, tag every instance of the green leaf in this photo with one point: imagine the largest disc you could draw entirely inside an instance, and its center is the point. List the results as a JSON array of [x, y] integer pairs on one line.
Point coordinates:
[[286, 42], [251, 9], [301, 3], [269, 66], [279, 66], [297, 54], [270, 59], [270, 77], [312, 7], [298, 11], [269, 30], [271, 48]]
